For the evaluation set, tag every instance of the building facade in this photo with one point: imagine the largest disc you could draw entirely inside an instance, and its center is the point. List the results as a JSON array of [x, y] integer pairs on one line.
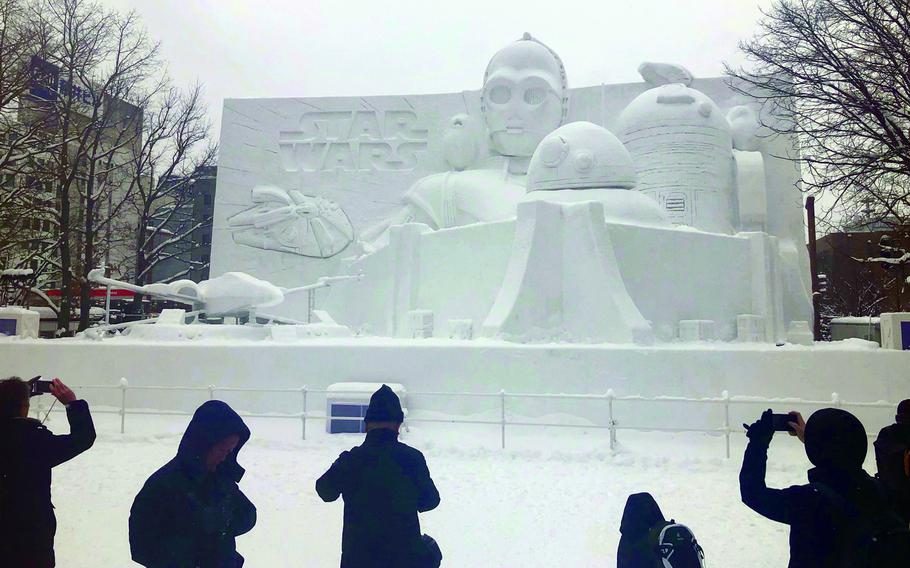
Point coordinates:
[[188, 223]]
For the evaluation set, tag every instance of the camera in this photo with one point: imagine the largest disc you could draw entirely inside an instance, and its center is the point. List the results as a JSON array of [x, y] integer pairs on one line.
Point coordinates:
[[782, 422], [38, 387]]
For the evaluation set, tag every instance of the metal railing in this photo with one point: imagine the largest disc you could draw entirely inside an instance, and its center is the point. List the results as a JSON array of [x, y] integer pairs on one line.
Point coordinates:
[[609, 399]]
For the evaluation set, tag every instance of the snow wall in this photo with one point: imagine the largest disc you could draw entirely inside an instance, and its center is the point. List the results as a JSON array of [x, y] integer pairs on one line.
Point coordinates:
[[850, 368]]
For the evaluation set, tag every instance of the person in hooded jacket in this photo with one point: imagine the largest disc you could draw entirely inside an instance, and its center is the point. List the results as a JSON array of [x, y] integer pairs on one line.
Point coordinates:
[[836, 444], [892, 458], [28, 452], [384, 484], [189, 513], [640, 515]]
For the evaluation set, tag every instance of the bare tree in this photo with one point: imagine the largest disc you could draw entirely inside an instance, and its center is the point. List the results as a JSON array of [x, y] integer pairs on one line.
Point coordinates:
[[125, 88], [105, 70], [894, 260], [96, 147], [862, 297], [835, 74], [176, 149]]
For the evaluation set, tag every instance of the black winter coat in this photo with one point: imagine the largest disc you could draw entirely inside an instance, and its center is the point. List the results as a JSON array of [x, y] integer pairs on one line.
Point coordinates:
[[815, 536], [639, 516], [384, 484], [889, 446], [28, 451], [186, 517]]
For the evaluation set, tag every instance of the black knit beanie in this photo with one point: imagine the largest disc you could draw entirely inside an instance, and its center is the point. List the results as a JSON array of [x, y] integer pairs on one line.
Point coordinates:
[[903, 412], [836, 439], [384, 407]]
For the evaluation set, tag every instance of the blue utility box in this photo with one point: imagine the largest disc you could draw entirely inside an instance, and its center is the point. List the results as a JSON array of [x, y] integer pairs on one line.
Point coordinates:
[[346, 405]]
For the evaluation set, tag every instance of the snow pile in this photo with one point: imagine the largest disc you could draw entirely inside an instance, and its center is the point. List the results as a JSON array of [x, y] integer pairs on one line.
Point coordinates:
[[16, 311], [857, 320]]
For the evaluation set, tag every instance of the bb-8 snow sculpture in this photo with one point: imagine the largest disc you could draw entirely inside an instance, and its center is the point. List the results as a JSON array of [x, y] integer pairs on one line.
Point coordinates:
[[582, 161]]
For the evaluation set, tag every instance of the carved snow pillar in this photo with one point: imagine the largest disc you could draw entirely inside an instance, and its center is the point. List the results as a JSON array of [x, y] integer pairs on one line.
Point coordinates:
[[767, 285], [563, 282], [404, 244], [751, 194]]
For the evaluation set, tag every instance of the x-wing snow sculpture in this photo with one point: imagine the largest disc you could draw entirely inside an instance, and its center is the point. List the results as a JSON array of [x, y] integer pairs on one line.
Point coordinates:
[[231, 294]]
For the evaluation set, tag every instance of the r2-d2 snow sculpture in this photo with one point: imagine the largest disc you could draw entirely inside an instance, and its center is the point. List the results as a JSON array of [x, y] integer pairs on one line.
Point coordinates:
[[682, 148]]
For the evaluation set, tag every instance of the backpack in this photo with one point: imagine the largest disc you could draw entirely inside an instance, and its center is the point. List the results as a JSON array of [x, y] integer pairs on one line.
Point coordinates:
[[675, 546], [875, 538], [892, 457]]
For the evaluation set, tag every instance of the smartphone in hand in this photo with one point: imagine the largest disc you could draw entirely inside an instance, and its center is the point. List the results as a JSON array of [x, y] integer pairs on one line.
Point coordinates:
[[38, 387], [782, 422]]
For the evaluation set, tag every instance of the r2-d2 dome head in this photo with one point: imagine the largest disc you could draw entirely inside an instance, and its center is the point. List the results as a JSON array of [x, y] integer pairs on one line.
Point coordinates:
[[524, 97], [581, 155], [683, 148]]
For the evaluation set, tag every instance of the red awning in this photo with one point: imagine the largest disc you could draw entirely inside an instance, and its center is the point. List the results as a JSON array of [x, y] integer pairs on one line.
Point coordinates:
[[98, 293]]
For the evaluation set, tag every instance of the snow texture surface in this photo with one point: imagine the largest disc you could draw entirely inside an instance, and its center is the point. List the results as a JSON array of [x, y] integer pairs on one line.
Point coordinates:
[[553, 499]]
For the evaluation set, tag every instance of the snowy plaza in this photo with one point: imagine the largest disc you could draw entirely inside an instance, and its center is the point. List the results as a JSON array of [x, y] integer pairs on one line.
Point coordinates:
[[552, 499]]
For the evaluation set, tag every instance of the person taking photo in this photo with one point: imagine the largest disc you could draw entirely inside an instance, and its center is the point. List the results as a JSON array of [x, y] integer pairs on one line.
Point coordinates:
[[843, 516], [28, 452]]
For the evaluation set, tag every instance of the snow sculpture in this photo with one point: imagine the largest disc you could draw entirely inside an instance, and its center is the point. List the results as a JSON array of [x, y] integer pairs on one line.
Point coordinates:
[[463, 143], [580, 155], [744, 127], [582, 161], [681, 145], [593, 254], [562, 282], [657, 74], [230, 293], [524, 98], [749, 167], [289, 221]]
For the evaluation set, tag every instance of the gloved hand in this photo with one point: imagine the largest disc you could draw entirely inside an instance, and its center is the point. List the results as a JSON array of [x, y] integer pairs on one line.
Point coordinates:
[[214, 518], [762, 430]]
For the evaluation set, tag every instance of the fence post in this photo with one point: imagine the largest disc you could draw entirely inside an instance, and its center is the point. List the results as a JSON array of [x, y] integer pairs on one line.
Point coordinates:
[[835, 399], [611, 422], [726, 396], [211, 392], [123, 385], [303, 414], [502, 407]]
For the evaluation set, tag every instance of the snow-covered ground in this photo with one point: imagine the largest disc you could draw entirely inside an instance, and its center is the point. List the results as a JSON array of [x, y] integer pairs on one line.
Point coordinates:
[[553, 498]]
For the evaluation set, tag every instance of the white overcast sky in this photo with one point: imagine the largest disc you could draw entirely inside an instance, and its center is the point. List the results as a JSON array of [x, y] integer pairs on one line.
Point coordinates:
[[304, 48]]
